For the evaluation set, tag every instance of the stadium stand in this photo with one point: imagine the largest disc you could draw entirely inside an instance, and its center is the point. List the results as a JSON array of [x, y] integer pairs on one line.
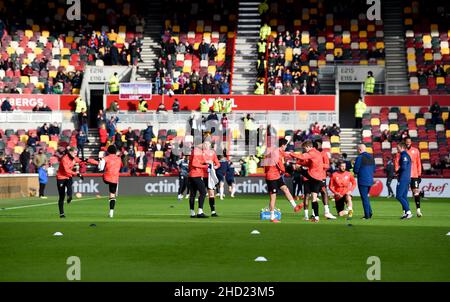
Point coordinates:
[[197, 48], [383, 128], [43, 57], [323, 32], [427, 47]]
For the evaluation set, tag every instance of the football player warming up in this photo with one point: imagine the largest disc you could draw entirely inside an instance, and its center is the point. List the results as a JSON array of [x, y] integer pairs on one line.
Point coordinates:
[[416, 171], [274, 169], [342, 184]]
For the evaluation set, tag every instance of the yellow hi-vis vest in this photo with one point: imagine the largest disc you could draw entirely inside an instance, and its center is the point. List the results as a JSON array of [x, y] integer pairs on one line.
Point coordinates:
[[113, 84], [259, 88], [142, 106], [360, 108], [227, 106], [217, 105], [369, 85], [204, 106]]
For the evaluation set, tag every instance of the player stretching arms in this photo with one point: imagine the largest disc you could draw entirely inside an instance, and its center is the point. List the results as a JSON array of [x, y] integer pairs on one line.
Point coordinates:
[[342, 184], [210, 157], [312, 159], [323, 190], [416, 171], [274, 168], [64, 177], [111, 164]]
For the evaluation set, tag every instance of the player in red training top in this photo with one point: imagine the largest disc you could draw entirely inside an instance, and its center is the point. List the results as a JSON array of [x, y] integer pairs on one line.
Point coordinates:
[[275, 170], [64, 175], [197, 166], [323, 190], [416, 171], [111, 165], [312, 160], [342, 184]]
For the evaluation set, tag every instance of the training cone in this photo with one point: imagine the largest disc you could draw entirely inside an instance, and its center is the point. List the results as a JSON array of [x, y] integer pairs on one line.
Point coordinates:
[[261, 259], [255, 232], [58, 234]]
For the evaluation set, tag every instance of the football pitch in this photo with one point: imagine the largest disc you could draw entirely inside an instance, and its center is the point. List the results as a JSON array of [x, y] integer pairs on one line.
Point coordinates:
[[152, 238]]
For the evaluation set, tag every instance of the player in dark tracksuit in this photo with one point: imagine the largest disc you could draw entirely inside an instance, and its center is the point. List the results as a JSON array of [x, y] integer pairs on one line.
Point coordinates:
[[183, 167], [220, 173], [404, 179]]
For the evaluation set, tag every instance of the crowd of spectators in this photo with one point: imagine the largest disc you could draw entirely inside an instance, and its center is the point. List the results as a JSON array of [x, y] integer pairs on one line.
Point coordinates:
[[95, 39]]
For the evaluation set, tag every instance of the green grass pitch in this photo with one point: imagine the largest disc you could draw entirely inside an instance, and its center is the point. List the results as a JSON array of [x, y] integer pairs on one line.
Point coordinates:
[[152, 238]]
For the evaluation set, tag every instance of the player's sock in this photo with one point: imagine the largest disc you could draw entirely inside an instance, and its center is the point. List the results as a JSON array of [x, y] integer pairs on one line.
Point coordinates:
[[200, 210], [111, 213], [221, 192], [417, 201], [272, 215], [233, 190], [212, 204], [315, 206], [293, 204], [192, 213], [327, 209], [112, 203], [306, 214]]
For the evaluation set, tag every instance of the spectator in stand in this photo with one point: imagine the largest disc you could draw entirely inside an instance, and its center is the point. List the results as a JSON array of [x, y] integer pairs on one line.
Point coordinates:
[[111, 126], [114, 107], [81, 141], [125, 158], [114, 54], [130, 137], [40, 159], [54, 129], [348, 164], [43, 180], [212, 54], [161, 108], [58, 88], [244, 170], [25, 160], [313, 86], [114, 84], [176, 106], [103, 134], [83, 122], [435, 110], [118, 140], [7, 165], [148, 135], [32, 141], [101, 118], [422, 77], [27, 71], [385, 136], [6, 105], [43, 130], [334, 130], [203, 50], [252, 164], [438, 71], [141, 162]]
